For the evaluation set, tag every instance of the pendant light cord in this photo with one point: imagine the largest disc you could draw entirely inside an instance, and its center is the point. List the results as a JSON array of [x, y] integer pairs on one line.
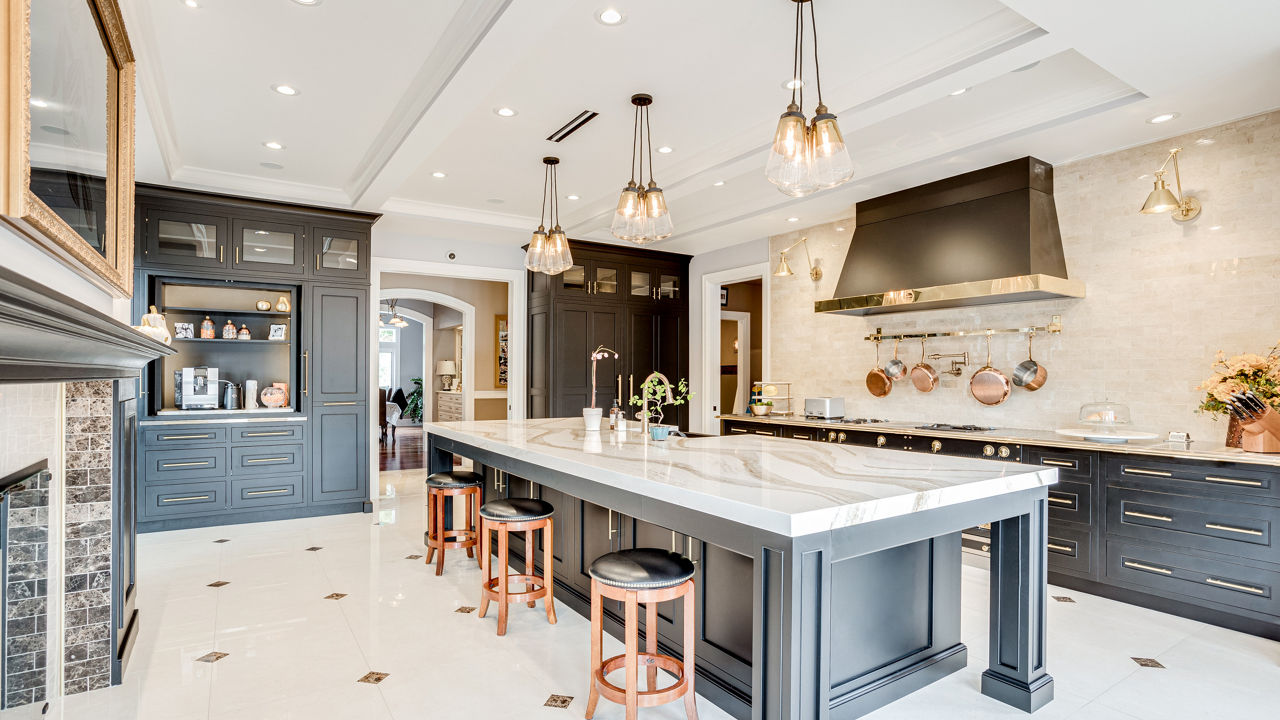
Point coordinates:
[[817, 71], [795, 57], [635, 140], [546, 180], [649, 137], [555, 198]]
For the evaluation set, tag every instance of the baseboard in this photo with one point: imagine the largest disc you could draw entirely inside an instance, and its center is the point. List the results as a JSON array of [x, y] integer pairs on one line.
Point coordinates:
[[250, 516]]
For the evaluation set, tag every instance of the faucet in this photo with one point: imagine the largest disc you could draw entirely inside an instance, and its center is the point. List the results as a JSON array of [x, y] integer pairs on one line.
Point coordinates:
[[644, 399]]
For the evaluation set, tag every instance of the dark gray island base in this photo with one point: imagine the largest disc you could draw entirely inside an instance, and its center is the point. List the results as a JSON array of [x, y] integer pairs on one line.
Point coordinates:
[[847, 611]]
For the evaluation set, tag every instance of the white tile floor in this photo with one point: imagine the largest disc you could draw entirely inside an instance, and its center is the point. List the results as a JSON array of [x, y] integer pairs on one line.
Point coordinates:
[[293, 654]]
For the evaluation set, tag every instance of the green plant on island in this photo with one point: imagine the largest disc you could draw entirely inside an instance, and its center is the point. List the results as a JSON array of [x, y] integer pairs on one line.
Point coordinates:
[[658, 392]]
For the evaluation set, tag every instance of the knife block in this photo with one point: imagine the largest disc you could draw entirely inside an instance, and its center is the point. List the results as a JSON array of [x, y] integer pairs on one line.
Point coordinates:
[[1258, 440]]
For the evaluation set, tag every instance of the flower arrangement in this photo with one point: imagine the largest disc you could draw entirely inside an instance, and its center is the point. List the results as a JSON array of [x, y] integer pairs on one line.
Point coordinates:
[[600, 353], [659, 392], [1247, 371]]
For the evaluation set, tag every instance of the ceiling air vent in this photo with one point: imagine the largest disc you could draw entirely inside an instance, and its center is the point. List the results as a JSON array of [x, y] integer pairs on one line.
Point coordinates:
[[573, 125]]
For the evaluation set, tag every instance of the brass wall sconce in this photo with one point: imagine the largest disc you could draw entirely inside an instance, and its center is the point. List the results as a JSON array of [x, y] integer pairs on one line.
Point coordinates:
[[784, 269], [1181, 207]]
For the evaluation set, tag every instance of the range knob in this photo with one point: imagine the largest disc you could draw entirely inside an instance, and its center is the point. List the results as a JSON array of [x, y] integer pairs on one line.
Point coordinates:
[[881, 440], [936, 446], [842, 437], [988, 450], [1004, 451], [831, 436]]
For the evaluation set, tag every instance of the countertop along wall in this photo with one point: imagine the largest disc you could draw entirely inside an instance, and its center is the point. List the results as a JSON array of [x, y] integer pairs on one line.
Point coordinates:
[[1162, 298]]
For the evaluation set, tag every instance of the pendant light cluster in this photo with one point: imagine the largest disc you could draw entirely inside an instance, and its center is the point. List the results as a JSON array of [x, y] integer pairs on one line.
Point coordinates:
[[642, 215], [549, 253], [807, 157]]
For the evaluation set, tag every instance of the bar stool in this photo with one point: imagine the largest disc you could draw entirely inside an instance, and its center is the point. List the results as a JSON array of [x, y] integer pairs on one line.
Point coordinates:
[[452, 483], [648, 576], [508, 515]]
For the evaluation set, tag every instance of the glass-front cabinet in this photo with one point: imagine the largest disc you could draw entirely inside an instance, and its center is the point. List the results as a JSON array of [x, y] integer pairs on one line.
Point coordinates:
[[268, 246], [668, 287], [599, 279], [641, 284], [340, 253], [185, 239]]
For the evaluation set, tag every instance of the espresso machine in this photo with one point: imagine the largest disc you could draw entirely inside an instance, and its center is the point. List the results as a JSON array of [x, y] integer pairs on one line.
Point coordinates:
[[199, 388]]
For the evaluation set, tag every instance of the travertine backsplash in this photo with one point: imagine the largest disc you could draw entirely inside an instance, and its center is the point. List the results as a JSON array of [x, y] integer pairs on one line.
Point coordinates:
[[1162, 298]]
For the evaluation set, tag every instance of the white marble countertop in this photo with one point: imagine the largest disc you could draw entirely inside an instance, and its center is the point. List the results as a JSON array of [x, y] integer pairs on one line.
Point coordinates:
[[1196, 450], [790, 487]]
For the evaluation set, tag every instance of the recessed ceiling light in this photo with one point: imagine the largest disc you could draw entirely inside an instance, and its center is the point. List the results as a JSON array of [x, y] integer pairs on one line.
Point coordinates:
[[961, 91], [610, 16], [1205, 141], [191, 3], [793, 219], [840, 229], [272, 145], [437, 174], [55, 130], [718, 183], [792, 84], [272, 165], [37, 102], [1162, 118], [286, 90], [308, 3], [664, 149], [571, 197], [505, 112]]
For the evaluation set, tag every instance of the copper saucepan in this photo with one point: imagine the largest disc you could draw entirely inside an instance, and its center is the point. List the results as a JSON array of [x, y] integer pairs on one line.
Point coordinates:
[[878, 383], [989, 386], [1030, 375], [923, 376]]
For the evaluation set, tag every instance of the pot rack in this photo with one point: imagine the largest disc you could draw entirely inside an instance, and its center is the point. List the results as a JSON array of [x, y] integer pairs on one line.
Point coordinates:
[[1053, 328]]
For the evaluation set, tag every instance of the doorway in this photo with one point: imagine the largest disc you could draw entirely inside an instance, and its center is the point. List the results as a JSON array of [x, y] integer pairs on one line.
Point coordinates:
[[736, 374], [735, 306]]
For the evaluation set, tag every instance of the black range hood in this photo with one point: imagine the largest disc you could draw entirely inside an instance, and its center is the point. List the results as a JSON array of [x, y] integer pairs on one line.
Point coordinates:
[[985, 237]]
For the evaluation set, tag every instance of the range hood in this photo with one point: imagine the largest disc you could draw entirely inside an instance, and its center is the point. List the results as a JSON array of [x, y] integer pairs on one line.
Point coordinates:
[[985, 237]]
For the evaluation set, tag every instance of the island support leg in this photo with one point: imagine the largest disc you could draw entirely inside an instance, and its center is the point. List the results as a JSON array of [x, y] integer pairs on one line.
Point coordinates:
[[1016, 674]]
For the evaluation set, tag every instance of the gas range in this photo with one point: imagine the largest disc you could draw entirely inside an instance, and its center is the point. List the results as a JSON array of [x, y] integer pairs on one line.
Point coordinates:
[[845, 420], [954, 428]]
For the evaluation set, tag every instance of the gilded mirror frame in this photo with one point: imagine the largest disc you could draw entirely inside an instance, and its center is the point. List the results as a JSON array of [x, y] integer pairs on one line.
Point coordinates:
[[21, 208]]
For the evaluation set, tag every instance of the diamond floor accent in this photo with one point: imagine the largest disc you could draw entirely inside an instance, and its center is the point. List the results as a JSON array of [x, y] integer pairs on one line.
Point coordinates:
[[211, 657], [1063, 599], [412, 557], [222, 540], [558, 701], [218, 583], [465, 609], [373, 678], [1148, 662], [335, 596], [314, 548]]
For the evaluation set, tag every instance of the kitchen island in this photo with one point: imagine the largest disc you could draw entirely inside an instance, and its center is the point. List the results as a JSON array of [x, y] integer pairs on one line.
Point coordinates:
[[853, 593]]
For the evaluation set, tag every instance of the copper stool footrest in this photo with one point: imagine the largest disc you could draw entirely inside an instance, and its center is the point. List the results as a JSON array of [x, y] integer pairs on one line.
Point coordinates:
[[645, 698], [541, 589]]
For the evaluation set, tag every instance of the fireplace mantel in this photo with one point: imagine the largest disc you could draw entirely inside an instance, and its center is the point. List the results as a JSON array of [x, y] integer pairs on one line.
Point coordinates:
[[46, 336]]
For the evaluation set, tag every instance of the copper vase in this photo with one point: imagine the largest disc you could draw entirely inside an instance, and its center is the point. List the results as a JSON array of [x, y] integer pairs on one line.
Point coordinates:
[[1235, 431]]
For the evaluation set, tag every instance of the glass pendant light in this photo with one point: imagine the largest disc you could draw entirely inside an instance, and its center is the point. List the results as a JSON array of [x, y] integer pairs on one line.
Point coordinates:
[[806, 158], [549, 253], [642, 216]]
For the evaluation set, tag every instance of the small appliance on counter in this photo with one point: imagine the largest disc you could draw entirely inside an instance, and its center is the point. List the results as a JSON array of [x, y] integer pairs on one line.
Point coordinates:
[[199, 388], [824, 408]]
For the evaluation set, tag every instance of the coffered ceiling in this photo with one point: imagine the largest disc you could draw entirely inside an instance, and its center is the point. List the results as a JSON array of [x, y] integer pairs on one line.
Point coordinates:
[[394, 92]]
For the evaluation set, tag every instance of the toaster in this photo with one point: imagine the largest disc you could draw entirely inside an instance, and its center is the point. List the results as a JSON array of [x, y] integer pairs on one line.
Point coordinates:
[[824, 407]]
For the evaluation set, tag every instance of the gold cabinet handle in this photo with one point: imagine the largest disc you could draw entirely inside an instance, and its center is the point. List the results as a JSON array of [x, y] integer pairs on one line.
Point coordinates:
[[1228, 528], [1233, 481], [1061, 501], [1152, 473], [268, 492], [219, 253], [342, 402], [1061, 548], [1149, 568], [611, 530], [185, 464], [673, 541], [237, 254], [270, 459], [317, 261], [1148, 516], [203, 436], [1235, 586], [764, 432], [185, 499], [688, 544], [273, 433], [740, 431], [1060, 463], [306, 371]]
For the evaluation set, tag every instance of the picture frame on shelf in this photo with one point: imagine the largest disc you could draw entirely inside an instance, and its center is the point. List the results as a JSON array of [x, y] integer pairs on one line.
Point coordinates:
[[278, 332], [184, 330]]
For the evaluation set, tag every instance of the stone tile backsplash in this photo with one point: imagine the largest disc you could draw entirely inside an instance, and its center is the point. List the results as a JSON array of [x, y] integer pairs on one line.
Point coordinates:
[[1162, 298]]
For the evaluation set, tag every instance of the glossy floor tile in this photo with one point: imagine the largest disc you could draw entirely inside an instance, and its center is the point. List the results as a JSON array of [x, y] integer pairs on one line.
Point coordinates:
[[293, 651]]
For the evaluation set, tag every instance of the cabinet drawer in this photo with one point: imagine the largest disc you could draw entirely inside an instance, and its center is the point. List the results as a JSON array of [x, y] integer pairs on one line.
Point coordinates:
[[185, 499], [266, 459], [185, 464], [803, 433], [1189, 477], [264, 492], [1167, 572], [1069, 464], [1070, 549], [737, 430], [181, 436], [1223, 526], [1071, 501], [290, 432]]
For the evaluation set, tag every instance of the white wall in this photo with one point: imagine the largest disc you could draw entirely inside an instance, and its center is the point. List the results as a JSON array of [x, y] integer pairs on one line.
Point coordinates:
[[393, 244], [23, 257]]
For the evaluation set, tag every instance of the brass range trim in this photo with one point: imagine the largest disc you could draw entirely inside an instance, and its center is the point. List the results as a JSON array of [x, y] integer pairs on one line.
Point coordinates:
[[979, 292], [1235, 586], [1229, 528], [1148, 568]]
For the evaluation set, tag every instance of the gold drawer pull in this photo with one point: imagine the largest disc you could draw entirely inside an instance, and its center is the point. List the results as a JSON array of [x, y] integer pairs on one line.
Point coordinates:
[[269, 434], [1148, 516], [1151, 568], [1228, 528], [185, 464], [740, 431], [185, 499], [346, 402], [1062, 548], [1152, 473], [985, 526], [1234, 586], [204, 436], [1061, 501], [1233, 481], [1060, 463], [271, 459], [268, 492], [764, 432]]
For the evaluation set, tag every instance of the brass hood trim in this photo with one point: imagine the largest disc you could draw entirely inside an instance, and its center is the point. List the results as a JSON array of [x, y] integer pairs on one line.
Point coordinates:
[[1022, 288]]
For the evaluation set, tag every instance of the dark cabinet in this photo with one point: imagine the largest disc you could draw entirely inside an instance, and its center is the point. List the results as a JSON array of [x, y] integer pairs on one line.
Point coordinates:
[[185, 238], [339, 453], [265, 246], [335, 366], [340, 253], [124, 536], [581, 328]]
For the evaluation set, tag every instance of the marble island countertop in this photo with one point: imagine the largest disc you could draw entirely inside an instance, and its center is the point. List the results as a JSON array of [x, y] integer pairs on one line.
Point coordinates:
[[1196, 450], [790, 487]]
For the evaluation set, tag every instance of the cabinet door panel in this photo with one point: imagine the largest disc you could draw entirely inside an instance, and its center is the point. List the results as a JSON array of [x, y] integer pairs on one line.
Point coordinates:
[[185, 239], [670, 613], [641, 347], [340, 253], [339, 453], [725, 608], [338, 355], [562, 532], [267, 247], [579, 330]]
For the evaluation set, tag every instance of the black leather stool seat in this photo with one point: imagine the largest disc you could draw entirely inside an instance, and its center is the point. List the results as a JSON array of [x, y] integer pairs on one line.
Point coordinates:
[[455, 479], [516, 509], [642, 569]]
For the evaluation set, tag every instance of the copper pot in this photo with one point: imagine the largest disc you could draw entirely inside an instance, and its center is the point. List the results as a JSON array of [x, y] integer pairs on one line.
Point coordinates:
[[895, 368], [923, 376], [1030, 375], [989, 386], [878, 383]]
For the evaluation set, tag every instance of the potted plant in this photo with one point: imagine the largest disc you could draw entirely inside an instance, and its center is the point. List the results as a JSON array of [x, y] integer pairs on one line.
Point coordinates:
[[657, 392], [413, 403], [761, 407], [591, 415], [1247, 371]]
